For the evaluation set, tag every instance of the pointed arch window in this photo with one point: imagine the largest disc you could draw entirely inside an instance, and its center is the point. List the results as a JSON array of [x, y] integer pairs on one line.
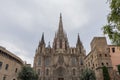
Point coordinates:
[[47, 61], [81, 62], [73, 61], [1, 64], [47, 72], [6, 67], [38, 71], [60, 43], [74, 71], [39, 61]]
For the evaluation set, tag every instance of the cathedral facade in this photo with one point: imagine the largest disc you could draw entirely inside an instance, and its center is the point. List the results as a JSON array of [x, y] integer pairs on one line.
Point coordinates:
[[59, 62]]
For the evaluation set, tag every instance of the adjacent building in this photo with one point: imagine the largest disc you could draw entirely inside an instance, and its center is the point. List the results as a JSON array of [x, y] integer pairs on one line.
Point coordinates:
[[10, 65], [98, 57], [115, 55]]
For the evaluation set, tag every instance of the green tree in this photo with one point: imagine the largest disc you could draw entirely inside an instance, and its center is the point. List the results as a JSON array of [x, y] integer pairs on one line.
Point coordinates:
[[88, 74], [105, 73], [27, 73], [112, 28], [118, 68]]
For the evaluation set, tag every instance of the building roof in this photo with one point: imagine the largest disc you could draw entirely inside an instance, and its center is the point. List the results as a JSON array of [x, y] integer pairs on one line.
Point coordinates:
[[11, 54]]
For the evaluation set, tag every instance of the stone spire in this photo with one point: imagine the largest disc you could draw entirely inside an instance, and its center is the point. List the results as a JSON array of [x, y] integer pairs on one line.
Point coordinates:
[[60, 29], [78, 40], [42, 40]]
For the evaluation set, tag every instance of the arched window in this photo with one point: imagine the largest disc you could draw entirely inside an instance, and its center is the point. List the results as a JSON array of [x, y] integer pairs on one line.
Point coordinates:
[[60, 43], [1, 64], [73, 60], [81, 62], [38, 71], [47, 61], [100, 55], [74, 71], [47, 71], [4, 78], [6, 67], [16, 70], [39, 61], [107, 64], [102, 64], [105, 55]]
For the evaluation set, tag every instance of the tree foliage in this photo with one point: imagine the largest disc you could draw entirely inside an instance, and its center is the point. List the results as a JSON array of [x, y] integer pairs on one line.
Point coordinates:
[[118, 68], [112, 28], [27, 73], [105, 73], [88, 74]]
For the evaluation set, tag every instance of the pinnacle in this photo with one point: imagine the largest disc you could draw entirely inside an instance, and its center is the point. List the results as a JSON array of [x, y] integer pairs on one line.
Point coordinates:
[[78, 40], [42, 40], [60, 30]]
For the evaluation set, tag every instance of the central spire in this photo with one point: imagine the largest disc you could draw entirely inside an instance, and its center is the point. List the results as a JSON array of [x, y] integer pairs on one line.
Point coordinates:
[[60, 29]]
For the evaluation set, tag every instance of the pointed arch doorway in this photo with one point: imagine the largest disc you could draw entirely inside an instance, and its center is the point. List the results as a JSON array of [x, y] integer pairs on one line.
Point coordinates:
[[60, 73], [60, 78]]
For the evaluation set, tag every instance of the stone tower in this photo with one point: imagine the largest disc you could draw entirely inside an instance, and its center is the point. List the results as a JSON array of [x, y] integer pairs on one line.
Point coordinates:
[[59, 62]]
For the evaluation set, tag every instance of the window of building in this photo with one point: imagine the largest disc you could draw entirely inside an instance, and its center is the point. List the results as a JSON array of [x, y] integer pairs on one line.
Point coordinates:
[[100, 55], [73, 61], [16, 70], [47, 61], [47, 71], [73, 71], [113, 50], [81, 62], [4, 78], [93, 65], [108, 49], [39, 61], [107, 64], [105, 55], [96, 65], [89, 63], [38, 71], [6, 67], [1, 64], [102, 64], [60, 43]]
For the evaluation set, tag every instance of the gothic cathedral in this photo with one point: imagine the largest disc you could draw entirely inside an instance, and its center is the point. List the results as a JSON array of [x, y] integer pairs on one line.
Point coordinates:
[[59, 62]]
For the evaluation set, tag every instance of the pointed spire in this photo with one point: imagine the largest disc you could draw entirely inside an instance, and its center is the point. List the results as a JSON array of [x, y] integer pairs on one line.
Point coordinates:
[[60, 30], [42, 40], [78, 40]]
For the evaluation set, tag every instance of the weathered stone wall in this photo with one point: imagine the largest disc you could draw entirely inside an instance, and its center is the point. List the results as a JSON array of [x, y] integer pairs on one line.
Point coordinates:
[[10, 65]]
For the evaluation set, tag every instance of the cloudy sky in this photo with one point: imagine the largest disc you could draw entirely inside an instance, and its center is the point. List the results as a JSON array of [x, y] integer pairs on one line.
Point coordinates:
[[22, 23]]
